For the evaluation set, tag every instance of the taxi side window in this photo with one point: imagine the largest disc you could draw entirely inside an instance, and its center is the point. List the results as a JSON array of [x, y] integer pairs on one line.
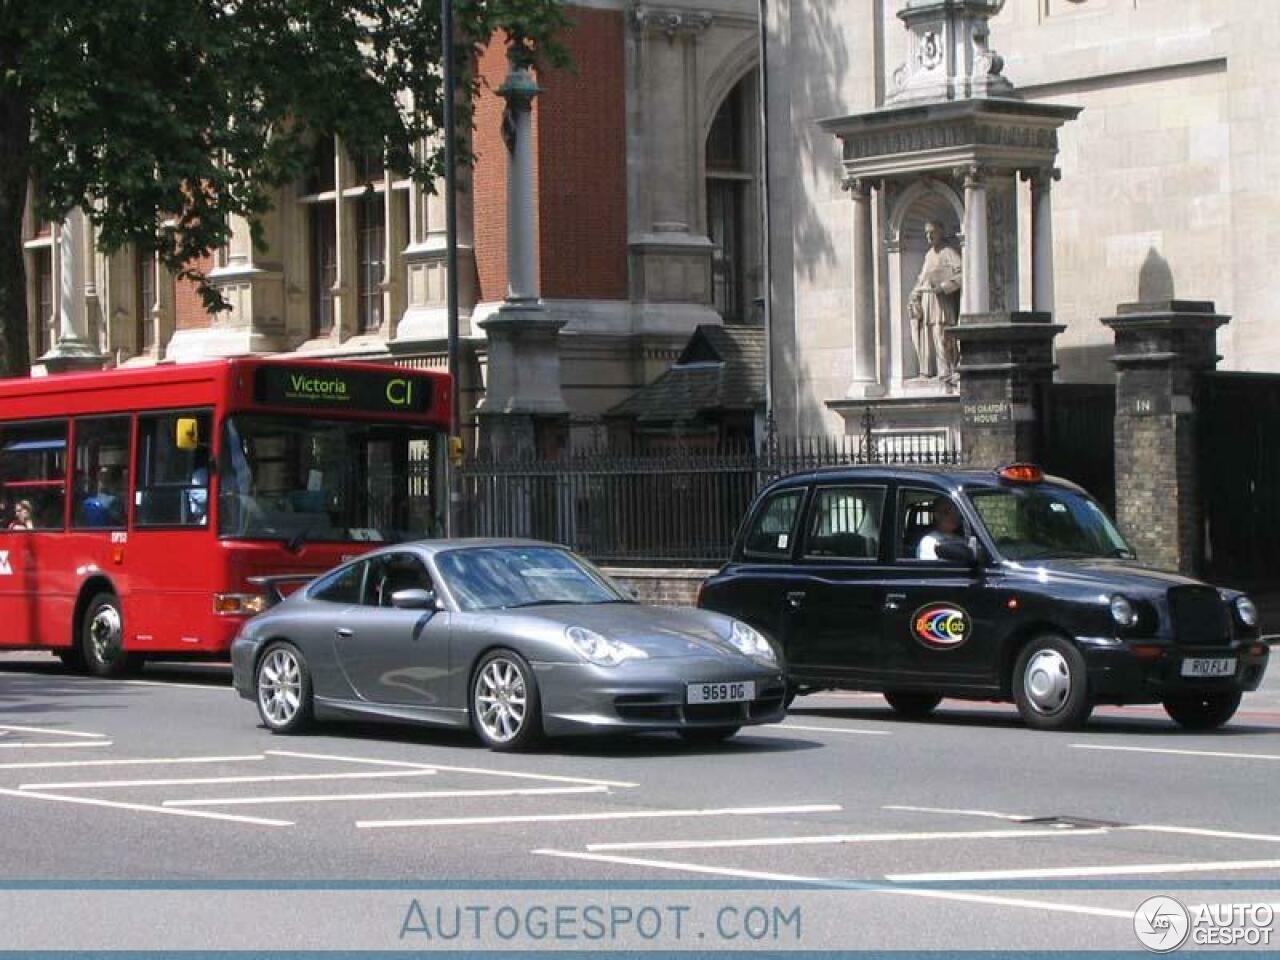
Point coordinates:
[[923, 520], [773, 528], [845, 523]]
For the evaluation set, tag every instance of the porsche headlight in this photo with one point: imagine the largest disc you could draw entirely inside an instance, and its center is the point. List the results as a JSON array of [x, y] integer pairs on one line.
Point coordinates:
[[601, 650], [1247, 611], [751, 641]]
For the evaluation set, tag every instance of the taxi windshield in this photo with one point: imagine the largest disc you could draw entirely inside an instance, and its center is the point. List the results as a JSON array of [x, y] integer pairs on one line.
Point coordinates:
[[1039, 522]]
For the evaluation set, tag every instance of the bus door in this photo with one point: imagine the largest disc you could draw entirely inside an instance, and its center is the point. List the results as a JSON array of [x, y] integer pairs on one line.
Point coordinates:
[[99, 507]]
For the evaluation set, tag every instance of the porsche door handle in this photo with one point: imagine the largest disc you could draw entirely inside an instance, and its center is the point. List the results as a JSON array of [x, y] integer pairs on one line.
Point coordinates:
[[795, 599], [893, 601], [344, 633]]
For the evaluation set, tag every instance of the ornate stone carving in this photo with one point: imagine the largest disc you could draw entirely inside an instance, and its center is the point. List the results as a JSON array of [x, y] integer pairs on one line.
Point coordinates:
[[670, 21], [929, 53], [943, 136]]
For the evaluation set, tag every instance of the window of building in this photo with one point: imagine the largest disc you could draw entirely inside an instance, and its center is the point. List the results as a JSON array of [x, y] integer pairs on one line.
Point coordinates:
[[370, 166], [324, 267], [371, 235], [729, 174], [33, 475], [44, 300], [321, 177], [144, 270]]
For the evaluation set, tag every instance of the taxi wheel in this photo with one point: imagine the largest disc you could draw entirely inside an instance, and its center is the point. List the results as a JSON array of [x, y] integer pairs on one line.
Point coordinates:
[[915, 706], [1206, 711], [506, 709], [1051, 684], [282, 685], [706, 736]]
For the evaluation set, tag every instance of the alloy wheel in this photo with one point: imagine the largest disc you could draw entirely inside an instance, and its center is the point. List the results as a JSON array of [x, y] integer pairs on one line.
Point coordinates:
[[280, 686], [501, 700]]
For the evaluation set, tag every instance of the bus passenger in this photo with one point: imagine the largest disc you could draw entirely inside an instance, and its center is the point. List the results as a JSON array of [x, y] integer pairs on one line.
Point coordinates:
[[22, 519], [106, 507]]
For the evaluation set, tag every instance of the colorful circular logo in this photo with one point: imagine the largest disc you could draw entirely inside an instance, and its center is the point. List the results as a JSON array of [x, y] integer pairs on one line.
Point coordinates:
[[941, 626]]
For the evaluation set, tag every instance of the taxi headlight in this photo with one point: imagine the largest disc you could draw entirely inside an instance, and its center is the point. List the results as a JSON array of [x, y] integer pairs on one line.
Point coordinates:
[[751, 641], [1122, 611], [1247, 611], [602, 650]]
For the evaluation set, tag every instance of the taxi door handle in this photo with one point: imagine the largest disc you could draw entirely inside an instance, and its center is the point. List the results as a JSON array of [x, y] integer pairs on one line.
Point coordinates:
[[795, 599], [894, 600], [344, 633]]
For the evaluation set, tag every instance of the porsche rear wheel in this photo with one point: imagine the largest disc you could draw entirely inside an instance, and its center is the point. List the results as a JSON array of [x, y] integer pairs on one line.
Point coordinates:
[[283, 685]]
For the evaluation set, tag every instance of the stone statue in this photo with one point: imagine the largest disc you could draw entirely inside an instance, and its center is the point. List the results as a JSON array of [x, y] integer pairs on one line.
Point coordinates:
[[935, 305]]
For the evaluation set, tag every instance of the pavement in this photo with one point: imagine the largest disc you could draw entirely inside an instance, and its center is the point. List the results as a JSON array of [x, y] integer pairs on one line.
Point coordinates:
[[958, 830]]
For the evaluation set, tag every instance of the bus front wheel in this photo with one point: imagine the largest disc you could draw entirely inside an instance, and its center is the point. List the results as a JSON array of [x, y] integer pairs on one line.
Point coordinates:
[[102, 637]]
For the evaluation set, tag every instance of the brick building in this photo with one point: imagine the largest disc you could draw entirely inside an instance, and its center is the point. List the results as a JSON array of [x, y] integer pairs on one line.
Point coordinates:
[[645, 194]]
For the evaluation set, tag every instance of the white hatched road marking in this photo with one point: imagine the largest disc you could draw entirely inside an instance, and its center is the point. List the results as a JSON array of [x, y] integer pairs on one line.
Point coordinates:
[[138, 762], [439, 766], [1016, 818], [61, 745], [955, 895], [1179, 753], [845, 838], [197, 781], [51, 732], [807, 729], [1203, 832], [1114, 870], [612, 815], [405, 795], [145, 808]]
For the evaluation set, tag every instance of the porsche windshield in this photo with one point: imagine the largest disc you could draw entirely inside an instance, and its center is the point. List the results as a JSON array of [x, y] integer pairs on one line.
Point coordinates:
[[488, 578], [299, 479], [1039, 522]]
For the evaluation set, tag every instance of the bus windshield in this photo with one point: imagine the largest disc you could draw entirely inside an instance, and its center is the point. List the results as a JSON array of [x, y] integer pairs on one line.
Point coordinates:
[[302, 479], [1037, 523]]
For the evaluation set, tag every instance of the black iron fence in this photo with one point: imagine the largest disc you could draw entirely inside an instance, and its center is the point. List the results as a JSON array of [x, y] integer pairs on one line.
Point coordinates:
[[677, 508]]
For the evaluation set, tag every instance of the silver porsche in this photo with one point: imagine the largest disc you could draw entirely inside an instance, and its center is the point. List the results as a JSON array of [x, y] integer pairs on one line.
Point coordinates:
[[516, 639]]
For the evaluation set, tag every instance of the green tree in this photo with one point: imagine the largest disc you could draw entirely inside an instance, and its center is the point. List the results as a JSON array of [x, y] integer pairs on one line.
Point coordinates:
[[198, 109]]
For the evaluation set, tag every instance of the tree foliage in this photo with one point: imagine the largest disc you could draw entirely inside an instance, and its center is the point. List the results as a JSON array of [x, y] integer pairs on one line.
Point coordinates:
[[166, 119]]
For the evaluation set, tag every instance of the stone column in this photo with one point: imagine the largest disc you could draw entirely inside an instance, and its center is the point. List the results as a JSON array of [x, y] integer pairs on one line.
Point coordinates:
[[1006, 364], [73, 349], [1042, 239], [864, 291], [523, 385], [976, 295], [1162, 350]]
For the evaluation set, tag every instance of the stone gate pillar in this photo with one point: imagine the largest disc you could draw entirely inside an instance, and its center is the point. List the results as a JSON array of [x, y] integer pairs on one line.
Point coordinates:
[[1162, 349], [1006, 363]]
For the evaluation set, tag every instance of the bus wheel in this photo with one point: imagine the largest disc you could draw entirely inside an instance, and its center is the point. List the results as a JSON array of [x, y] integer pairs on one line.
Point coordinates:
[[102, 637]]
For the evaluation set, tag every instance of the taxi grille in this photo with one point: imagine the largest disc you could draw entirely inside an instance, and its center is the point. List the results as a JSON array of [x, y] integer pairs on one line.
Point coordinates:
[[1199, 616]]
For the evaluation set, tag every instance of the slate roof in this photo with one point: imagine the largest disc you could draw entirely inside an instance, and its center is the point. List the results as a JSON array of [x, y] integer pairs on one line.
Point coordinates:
[[721, 369]]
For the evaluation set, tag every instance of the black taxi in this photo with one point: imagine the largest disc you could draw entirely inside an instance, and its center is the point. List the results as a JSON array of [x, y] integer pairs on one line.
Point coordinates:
[[1000, 585]]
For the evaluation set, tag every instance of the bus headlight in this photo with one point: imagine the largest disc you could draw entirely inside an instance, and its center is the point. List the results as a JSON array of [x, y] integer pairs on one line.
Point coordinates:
[[239, 604]]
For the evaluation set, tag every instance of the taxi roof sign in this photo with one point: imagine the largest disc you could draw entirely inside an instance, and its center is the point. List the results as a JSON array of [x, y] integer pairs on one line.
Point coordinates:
[[1020, 473]]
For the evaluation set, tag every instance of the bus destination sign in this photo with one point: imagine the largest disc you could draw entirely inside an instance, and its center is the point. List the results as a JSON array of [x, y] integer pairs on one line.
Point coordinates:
[[338, 389]]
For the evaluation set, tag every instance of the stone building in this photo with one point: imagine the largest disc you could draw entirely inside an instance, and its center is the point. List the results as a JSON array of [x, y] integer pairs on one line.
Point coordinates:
[[1164, 185], [643, 182]]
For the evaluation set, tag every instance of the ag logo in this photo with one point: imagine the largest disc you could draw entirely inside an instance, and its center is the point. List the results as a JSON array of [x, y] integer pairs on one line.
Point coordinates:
[[5, 569], [940, 626], [1161, 923]]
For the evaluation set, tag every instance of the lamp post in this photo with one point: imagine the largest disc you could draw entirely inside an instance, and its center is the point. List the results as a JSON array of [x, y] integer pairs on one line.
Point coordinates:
[[451, 264]]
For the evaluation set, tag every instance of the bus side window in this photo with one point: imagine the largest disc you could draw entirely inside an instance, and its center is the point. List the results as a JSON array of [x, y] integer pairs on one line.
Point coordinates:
[[33, 472], [173, 484], [102, 472]]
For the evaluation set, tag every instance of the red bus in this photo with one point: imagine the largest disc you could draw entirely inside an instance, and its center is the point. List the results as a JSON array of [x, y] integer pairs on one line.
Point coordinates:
[[136, 505]]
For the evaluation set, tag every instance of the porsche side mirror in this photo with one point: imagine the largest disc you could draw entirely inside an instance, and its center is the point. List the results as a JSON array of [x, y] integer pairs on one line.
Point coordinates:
[[414, 599]]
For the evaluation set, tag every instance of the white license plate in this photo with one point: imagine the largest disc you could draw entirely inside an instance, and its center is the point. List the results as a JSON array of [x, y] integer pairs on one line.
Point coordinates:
[[1209, 667], [735, 692]]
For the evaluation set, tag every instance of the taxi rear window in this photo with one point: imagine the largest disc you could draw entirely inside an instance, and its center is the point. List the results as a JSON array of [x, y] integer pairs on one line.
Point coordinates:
[[772, 532]]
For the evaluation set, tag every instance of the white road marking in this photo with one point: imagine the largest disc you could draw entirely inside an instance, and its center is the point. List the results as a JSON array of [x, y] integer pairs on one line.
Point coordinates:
[[956, 895], [612, 815], [1013, 817], [844, 838], [52, 732], [61, 745], [404, 795], [1114, 870], [551, 778], [1180, 753], [1202, 832], [146, 808], [197, 781], [796, 726], [139, 762]]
